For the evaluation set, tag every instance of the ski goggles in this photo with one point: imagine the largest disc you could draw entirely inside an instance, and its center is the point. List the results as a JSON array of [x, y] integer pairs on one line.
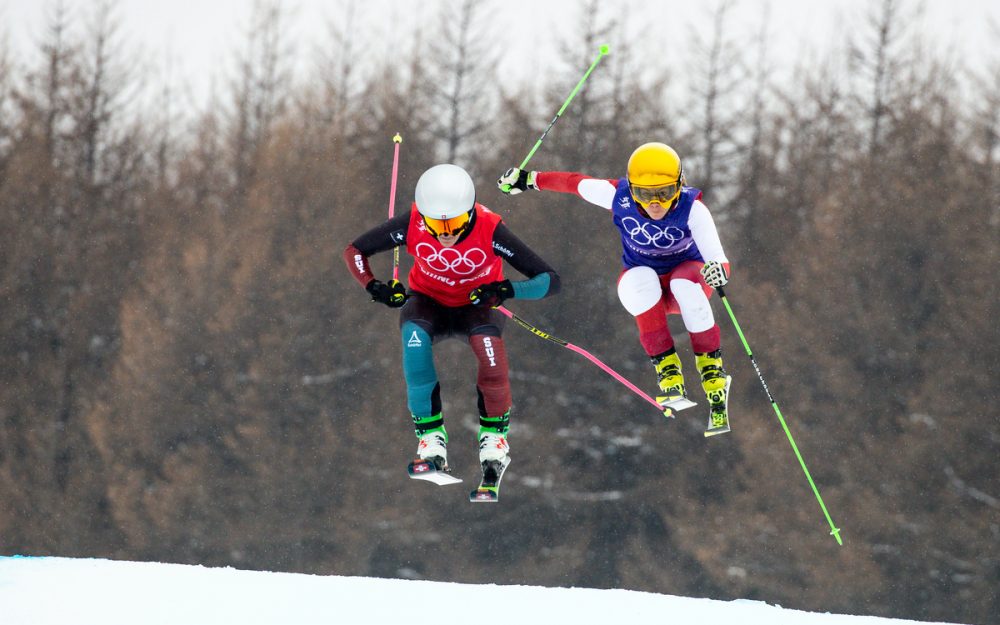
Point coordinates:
[[664, 194], [449, 227]]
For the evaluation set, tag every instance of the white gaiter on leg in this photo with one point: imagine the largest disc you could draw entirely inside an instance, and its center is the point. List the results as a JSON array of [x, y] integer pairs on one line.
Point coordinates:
[[639, 290], [696, 311]]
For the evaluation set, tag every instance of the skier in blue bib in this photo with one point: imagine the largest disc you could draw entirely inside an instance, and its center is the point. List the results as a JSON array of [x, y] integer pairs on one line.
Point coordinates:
[[672, 260]]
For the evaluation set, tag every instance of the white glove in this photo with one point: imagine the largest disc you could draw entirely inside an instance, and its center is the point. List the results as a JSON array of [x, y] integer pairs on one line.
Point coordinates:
[[515, 180], [715, 274]]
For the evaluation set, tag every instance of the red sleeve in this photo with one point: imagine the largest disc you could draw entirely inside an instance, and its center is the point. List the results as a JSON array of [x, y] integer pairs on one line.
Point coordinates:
[[357, 264], [562, 181]]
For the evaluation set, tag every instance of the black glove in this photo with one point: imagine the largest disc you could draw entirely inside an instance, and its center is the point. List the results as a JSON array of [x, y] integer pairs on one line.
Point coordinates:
[[492, 294], [515, 180], [392, 295]]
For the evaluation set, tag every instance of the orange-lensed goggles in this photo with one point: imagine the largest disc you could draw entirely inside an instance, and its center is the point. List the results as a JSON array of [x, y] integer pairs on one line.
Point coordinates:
[[451, 227]]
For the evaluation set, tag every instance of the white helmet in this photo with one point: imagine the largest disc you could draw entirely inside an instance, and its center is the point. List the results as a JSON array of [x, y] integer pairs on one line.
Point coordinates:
[[444, 192]]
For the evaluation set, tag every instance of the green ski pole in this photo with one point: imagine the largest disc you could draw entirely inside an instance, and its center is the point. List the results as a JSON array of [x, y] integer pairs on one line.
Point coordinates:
[[834, 530], [603, 50]]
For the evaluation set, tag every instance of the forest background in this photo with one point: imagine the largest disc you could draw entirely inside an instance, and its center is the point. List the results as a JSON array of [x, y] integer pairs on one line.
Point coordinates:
[[189, 374]]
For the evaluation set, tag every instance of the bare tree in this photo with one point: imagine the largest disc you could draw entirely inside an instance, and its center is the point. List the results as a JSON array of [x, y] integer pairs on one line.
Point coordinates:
[[877, 58], [986, 127], [260, 93], [51, 81], [719, 71], [165, 123], [87, 95], [69, 206], [98, 98], [460, 79], [6, 101], [637, 113], [339, 63], [760, 78], [589, 123]]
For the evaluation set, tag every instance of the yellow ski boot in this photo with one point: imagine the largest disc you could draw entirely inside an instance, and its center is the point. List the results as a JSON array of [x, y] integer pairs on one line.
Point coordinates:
[[716, 383], [671, 381]]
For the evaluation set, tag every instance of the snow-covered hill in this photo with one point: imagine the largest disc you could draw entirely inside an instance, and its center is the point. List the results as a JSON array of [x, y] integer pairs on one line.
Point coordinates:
[[62, 591]]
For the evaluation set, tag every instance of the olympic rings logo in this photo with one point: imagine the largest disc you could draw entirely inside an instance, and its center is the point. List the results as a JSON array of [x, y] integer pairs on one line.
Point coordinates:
[[450, 259], [651, 234]]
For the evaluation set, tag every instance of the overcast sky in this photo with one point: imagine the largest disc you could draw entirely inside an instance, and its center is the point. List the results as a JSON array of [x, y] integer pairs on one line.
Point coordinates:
[[199, 38]]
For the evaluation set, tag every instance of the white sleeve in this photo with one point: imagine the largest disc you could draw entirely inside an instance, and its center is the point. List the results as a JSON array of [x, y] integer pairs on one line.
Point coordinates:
[[706, 237], [597, 191]]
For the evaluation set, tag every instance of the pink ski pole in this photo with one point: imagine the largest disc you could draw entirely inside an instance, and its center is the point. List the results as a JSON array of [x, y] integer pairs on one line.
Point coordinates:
[[392, 202], [579, 350]]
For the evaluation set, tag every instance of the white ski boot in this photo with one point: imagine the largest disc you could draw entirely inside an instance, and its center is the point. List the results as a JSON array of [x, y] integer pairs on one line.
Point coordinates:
[[432, 460], [494, 447], [494, 456], [433, 447]]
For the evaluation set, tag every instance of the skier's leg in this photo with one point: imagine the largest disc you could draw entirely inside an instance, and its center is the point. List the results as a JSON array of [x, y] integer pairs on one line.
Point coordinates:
[[689, 290], [423, 391], [492, 383], [484, 328], [493, 388], [641, 292]]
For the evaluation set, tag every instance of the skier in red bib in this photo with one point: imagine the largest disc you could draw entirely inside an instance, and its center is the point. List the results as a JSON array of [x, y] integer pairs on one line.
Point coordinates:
[[457, 279], [672, 260]]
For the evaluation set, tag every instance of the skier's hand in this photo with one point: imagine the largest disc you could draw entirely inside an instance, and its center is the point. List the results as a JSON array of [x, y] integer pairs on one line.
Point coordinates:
[[392, 295], [715, 274], [515, 180], [492, 294]]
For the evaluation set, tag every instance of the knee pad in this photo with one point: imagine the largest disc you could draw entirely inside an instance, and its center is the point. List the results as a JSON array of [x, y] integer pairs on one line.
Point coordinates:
[[696, 311], [639, 290]]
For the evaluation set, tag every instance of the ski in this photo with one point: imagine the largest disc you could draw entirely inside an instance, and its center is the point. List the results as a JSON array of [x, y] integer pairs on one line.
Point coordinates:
[[429, 471], [489, 487], [678, 402], [718, 415]]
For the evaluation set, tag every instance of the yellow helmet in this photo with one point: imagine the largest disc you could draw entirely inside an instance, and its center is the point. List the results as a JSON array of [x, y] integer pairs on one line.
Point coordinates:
[[655, 174]]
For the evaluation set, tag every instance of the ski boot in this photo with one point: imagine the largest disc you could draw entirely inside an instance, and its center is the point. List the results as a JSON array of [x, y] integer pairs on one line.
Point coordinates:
[[431, 463], [671, 381], [494, 457], [716, 384], [433, 447]]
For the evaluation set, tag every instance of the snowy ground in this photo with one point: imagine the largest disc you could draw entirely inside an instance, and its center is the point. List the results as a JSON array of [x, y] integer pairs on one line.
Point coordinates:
[[62, 591]]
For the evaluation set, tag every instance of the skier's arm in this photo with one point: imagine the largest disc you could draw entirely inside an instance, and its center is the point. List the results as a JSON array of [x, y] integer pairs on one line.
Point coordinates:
[[595, 190], [381, 238], [705, 235], [542, 279]]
